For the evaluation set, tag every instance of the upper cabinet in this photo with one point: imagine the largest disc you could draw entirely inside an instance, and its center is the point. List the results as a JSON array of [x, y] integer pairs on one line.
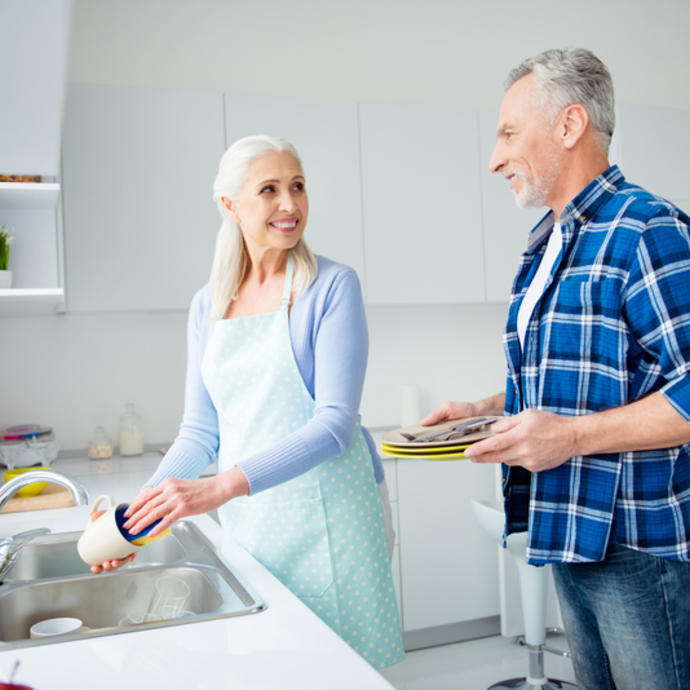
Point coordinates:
[[33, 51], [400, 193], [325, 136], [33, 48], [138, 170], [421, 202]]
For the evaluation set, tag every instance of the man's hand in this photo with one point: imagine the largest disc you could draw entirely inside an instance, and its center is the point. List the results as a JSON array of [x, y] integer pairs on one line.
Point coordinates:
[[447, 411], [533, 439]]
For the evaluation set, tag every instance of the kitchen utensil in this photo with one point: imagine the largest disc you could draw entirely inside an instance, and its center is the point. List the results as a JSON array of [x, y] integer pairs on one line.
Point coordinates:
[[436, 457], [56, 626], [105, 538], [455, 431], [440, 435], [170, 595]]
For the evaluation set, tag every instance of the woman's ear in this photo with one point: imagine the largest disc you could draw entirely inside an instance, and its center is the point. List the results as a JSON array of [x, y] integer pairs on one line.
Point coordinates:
[[231, 206], [574, 123]]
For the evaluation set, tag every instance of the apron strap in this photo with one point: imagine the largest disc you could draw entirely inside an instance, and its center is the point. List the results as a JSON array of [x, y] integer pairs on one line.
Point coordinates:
[[287, 289]]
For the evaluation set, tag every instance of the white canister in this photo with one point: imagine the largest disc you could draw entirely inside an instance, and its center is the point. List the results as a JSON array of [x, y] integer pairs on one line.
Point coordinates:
[[131, 441]]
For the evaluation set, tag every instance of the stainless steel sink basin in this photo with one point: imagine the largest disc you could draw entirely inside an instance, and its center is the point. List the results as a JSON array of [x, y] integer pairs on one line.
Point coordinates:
[[49, 581], [55, 555]]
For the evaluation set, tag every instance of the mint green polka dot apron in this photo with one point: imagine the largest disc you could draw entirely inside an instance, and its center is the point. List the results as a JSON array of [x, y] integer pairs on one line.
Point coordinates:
[[322, 533]]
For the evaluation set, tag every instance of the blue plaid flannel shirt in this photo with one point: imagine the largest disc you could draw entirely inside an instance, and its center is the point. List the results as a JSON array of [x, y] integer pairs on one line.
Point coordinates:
[[612, 326]]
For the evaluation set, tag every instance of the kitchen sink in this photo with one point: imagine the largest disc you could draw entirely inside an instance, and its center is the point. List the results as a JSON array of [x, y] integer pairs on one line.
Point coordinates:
[[49, 580], [55, 555]]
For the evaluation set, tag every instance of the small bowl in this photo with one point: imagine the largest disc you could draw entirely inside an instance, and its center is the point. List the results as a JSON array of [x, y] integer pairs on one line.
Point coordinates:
[[30, 490]]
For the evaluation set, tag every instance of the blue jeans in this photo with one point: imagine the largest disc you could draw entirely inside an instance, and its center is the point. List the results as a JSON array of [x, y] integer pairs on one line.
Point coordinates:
[[628, 621]]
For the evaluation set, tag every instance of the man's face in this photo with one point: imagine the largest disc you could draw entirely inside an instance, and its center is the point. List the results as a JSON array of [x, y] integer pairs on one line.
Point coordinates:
[[526, 151]]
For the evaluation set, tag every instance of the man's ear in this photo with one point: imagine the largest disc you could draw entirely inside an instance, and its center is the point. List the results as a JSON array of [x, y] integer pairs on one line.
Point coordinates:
[[231, 206], [573, 123]]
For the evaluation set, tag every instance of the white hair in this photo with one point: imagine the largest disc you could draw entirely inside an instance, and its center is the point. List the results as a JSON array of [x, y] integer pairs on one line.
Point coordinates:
[[230, 261], [573, 75]]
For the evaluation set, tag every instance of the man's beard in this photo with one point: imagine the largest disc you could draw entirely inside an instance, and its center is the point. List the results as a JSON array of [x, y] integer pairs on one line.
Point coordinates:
[[534, 193]]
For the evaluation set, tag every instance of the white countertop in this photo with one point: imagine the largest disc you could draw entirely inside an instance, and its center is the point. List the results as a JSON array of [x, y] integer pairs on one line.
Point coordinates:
[[284, 647]]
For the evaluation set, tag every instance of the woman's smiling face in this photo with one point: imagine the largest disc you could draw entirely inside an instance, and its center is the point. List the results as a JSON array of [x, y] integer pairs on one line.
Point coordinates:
[[272, 206]]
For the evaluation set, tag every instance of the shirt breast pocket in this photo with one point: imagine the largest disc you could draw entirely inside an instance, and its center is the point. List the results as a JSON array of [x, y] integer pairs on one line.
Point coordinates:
[[586, 321], [588, 298]]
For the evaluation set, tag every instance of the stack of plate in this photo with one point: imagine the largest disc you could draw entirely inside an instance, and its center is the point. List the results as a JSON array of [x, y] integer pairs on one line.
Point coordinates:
[[398, 444]]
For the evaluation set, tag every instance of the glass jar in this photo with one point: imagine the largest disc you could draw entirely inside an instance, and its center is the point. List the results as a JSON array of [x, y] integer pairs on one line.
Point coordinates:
[[131, 437], [101, 446]]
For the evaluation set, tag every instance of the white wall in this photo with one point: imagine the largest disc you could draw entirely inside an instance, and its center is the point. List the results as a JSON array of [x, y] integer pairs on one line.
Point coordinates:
[[74, 372]]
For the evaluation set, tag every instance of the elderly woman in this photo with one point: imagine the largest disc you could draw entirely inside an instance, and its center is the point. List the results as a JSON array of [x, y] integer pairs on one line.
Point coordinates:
[[277, 348]]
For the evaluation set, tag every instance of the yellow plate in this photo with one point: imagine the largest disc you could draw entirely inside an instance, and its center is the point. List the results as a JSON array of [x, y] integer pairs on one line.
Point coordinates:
[[424, 451], [426, 456]]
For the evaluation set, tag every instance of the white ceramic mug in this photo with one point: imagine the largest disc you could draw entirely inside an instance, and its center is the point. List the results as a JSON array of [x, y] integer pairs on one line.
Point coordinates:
[[103, 539], [56, 626]]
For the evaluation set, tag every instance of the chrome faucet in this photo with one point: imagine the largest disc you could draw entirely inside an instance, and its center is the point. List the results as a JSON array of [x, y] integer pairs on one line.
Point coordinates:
[[10, 548], [76, 488]]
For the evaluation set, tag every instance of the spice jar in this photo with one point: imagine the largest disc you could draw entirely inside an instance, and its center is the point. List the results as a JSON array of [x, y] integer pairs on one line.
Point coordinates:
[[101, 446]]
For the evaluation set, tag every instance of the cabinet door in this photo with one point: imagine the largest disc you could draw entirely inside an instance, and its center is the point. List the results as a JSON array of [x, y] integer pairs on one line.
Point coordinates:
[[325, 135], [420, 194], [449, 565], [506, 226], [654, 147], [34, 42], [139, 219]]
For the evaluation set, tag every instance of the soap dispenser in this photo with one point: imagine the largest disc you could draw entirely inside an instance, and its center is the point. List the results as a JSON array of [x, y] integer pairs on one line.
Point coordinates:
[[131, 437]]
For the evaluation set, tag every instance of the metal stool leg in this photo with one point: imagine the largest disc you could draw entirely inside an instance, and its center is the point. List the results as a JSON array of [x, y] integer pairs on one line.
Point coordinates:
[[536, 680]]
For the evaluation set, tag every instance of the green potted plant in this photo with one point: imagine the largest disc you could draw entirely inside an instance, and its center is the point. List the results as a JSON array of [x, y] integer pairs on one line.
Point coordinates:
[[5, 242]]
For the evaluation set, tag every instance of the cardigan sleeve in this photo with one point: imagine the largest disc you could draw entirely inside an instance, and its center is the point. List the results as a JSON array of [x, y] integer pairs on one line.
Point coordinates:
[[197, 441]]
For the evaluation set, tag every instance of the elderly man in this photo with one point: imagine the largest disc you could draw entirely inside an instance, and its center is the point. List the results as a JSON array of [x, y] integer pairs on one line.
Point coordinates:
[[596, 461]]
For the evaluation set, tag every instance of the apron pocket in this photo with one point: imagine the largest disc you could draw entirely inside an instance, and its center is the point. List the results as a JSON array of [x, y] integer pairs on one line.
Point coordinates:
[[288, 537]]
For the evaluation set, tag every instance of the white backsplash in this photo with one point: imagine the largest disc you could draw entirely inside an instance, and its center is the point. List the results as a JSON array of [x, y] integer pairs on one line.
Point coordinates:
[[76, 372]]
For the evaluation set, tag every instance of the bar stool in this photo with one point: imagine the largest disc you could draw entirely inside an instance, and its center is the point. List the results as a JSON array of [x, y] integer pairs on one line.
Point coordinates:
[[533, 594]]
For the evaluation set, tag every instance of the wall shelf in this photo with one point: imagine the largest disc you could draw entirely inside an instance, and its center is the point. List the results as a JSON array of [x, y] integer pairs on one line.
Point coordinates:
[[31, 301], [29, 195]]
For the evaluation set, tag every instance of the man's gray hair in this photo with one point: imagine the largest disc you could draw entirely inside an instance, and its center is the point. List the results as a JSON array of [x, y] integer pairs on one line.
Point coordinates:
[[573, 75]]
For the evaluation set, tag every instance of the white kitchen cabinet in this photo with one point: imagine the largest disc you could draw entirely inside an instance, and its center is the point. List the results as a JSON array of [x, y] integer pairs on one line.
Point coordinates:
[[421, 201], [34, 42], [506, 226], [33, 51], [654, 146], [138, 169], [449, 566], [31, 210], [325, 135]]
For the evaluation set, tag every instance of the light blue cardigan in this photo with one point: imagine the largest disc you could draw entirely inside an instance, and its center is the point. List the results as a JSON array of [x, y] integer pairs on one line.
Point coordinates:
[[328, 332]]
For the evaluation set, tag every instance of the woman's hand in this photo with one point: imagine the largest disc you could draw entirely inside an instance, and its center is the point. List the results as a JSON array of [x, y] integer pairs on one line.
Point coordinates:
[[116, 563], [174, 499]]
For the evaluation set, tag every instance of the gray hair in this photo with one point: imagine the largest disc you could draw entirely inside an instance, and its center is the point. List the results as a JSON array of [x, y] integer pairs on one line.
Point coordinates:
[[230, 261], [573, 75]]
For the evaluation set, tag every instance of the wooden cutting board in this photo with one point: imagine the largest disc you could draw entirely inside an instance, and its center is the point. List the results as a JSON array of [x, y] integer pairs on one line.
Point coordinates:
[[53, 496]]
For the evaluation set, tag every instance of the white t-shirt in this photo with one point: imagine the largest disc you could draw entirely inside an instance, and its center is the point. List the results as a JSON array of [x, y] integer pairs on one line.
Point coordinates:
[[536, 287]]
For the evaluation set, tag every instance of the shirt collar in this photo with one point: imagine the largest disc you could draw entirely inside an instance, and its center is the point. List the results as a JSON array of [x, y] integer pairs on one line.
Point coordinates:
[[580, 209]]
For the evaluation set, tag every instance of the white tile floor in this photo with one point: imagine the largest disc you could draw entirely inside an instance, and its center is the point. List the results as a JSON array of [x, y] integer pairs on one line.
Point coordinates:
[[473, 665]]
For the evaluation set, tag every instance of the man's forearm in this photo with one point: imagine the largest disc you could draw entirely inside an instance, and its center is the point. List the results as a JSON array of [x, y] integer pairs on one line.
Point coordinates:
[[493, 405], [651, 422]]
